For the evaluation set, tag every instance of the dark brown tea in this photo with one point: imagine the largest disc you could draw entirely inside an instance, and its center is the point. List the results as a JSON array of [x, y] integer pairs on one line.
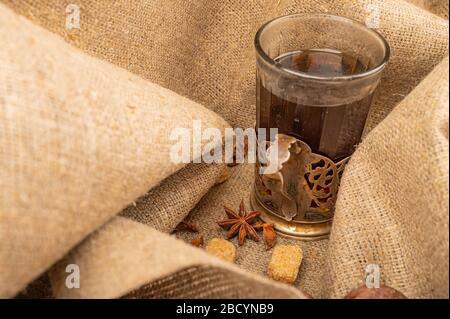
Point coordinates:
[[332, 131]]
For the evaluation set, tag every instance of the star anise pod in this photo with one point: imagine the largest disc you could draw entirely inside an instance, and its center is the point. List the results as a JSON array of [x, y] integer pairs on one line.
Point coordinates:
[[240, 223]]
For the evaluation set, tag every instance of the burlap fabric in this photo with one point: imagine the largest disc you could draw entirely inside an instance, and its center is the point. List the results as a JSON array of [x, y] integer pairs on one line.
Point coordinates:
[[387, 212], [211, 59], [132, 249], [393, 208], [77, 145], [438, 7], [163, 208]]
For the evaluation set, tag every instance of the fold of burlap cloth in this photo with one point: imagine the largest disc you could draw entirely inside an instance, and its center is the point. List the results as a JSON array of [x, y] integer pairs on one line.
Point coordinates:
[[77, 145], [204, 49], [136, 254], [163, 208], [438, 7], [392, 208]]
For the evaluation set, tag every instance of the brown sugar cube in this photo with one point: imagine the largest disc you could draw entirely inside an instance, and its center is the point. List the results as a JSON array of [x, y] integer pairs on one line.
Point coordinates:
[[222, 249], [285, 263]]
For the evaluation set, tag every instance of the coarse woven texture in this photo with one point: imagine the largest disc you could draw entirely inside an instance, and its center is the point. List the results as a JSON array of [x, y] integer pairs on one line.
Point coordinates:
[[39, 288], [204, 50], [387, 214], [393, 205], [254, 256], [166, 205], [192, 271], [438, 7], [162, 208], [77, 145]]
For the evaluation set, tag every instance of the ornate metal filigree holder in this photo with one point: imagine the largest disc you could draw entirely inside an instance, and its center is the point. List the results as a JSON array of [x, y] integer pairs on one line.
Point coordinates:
[[298, 196]]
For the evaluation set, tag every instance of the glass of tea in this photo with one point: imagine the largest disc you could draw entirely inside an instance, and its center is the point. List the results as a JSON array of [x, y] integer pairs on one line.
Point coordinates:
[[316, 77]]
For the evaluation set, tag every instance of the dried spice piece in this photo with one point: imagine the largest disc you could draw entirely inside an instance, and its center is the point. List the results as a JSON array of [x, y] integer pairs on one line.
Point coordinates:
[[285, 263], [186, 226], [245, 149], [222, 249], [224, 175], [197, 242], [384, 292], [269, 234], [233, 163], [240, 224]]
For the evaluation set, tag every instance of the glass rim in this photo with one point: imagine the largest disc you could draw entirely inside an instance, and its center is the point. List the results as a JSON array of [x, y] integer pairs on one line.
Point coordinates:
[[364, 74]]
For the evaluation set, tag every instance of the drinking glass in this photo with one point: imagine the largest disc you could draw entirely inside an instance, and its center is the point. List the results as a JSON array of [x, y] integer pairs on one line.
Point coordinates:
[[316, 77]]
